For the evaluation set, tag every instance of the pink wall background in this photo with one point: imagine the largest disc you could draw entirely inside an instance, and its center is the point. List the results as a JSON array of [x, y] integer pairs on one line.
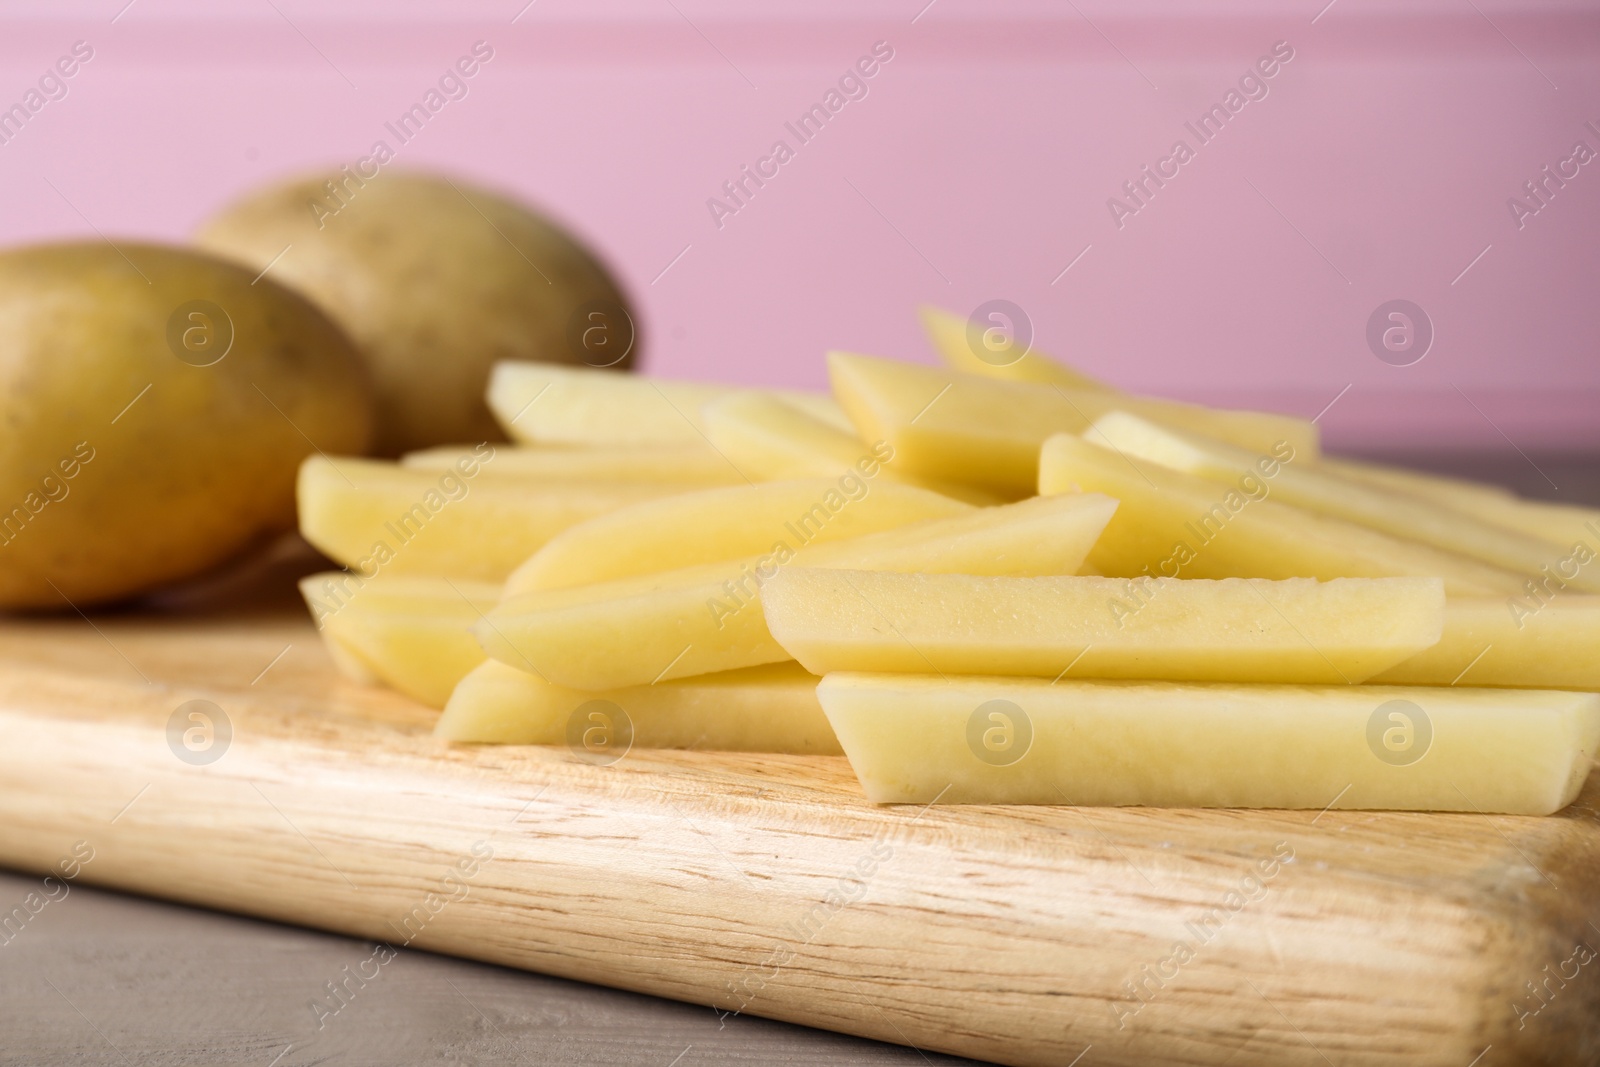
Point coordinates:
[[978, 166]]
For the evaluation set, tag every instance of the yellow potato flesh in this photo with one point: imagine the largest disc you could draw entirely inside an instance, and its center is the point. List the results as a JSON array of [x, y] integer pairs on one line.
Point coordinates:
[[376, 516], [766, 438], [915, 739], [1035, 536], [1519, 642], [722, 524], [961, 427], [1234, 630], [685, 466], [819, 405], [540, 403], [770, 438], [412, 634], [758, 709], [1564, 526], [1435, 487], [1316, 489], [1561, 525], [697, 620], [954, 341], [1176, 525]]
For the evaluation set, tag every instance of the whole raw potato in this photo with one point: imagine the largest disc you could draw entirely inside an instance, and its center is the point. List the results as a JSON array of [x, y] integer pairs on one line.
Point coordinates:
[[436, 280], [154, 407]]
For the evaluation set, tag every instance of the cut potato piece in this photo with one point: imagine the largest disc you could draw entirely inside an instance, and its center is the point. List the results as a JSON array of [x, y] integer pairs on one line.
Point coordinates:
[[916, 739], [1173, 525], [758, 709], [819, 405], [348, 664], [1234, 630], [541, 403], [767, 438], [636, 631], [1515, 643], [373, 515], [1435, 487], [770, 438], [721, 524], [1034, 536], [410, 633], [687, 466], [1561, 525], [1314, 488], [958, 339], [676, 624], [1564, 526], [960, 427]]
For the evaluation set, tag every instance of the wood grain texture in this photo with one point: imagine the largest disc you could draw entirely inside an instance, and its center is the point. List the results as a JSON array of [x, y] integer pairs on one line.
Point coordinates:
[[1002, 934], [164, 985]]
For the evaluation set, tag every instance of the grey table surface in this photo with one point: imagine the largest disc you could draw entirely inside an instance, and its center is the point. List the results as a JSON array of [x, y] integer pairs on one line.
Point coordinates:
[[98, 977]]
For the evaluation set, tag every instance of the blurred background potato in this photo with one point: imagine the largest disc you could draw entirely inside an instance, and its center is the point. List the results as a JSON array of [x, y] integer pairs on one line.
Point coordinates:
[[436, 280]]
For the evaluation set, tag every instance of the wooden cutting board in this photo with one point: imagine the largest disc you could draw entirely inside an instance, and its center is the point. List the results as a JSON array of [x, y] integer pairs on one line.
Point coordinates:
[[767, 884]]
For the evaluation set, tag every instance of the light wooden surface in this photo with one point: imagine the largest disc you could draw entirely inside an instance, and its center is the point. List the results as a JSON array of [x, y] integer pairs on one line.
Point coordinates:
[[1000, 934]]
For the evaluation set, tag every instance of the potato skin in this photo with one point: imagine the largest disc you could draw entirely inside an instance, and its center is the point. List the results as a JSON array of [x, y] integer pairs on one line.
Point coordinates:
[[433, 286], [123, 466]]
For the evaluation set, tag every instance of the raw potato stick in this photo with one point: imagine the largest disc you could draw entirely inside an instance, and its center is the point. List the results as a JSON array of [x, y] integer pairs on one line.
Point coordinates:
[[1175, 525], [960, 427], [543, 404], [767, 437], [1450, 492], [372, 516], [726, 523], [1312, 487], [915, 739], [1234, 630], [686, 466], [409, 633], [1517, 642], [675, 624], [1574, 530], [1561, 525], [758, 709], [959, 342]]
